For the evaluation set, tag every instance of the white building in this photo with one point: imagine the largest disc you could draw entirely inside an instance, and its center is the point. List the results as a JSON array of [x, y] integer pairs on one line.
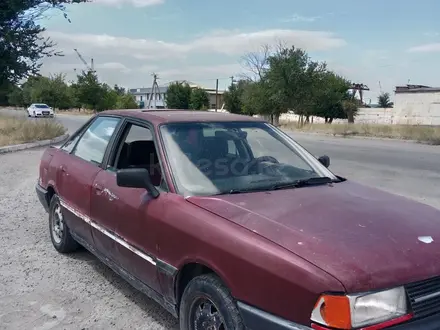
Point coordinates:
[[143, 95], [417, 105]]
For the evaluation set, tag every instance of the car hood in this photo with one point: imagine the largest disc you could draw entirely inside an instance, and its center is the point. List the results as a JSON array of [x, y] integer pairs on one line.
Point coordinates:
[[366, 238]]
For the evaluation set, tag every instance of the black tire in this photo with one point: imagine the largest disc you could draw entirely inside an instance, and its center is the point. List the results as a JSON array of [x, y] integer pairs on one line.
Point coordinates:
[[208, 288], [64, 243]]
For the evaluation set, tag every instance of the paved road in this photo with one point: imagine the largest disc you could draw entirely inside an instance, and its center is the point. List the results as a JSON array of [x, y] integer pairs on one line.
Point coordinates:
[[41, 289]]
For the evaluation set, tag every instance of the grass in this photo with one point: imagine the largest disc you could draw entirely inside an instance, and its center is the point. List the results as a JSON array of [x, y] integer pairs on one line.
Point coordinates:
[[75, 112], [424, 134], [22, 130]]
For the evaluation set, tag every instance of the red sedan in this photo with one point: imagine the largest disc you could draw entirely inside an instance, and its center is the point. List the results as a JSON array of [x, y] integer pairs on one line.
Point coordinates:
[[229, 224]]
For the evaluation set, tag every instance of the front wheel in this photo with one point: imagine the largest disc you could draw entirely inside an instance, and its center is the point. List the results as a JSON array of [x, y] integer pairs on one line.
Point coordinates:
[[207, 304]]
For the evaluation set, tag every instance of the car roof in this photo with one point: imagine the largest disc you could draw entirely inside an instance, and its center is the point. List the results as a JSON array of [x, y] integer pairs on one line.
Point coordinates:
[[161, 116]]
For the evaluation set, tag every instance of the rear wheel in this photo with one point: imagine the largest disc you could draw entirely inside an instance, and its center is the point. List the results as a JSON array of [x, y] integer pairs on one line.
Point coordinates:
[[60, 235], [207, 304]]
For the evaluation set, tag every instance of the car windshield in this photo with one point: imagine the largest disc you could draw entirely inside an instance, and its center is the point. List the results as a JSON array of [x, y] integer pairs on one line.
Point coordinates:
[[234, 157], [41, 106]]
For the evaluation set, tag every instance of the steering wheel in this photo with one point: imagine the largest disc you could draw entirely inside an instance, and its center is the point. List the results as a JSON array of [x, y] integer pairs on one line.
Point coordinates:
[[254, 165], [269, 159]]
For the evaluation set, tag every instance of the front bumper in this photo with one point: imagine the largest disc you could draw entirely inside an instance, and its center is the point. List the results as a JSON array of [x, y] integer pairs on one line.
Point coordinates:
[[49, 115], [255, 319], [428, 323], [42, 196]]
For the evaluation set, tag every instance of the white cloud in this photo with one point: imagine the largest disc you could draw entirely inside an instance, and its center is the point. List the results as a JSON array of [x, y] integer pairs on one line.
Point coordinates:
[[116, 66], [136, 3], [209, 72], [220, 42], [300, 18], [130, 62], [426, 48], [431, 34]]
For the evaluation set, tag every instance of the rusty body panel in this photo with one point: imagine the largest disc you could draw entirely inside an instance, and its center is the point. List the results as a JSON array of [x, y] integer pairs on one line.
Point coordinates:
[[134, 217]]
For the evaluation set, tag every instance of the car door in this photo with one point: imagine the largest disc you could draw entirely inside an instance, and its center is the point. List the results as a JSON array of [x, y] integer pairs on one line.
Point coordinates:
[[78, 169], [128, 217]]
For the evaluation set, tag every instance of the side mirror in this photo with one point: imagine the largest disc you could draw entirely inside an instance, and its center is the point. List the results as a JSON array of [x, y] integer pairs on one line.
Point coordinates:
[[136, 178], [324, 160]]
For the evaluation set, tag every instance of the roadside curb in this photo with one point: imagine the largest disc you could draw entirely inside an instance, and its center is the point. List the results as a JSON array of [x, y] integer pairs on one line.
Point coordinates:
[[31, 145]]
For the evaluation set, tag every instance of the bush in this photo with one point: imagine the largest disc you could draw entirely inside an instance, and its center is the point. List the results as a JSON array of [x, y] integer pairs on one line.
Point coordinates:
[[21, 130]]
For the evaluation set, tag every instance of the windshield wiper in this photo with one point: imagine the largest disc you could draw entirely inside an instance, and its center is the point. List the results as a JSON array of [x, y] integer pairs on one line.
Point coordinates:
[[302, 183], [281, 185], [240, 191]]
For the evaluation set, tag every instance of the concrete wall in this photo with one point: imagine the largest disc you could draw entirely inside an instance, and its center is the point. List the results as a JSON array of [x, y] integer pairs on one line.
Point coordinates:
[[417, 108], [409, 109]]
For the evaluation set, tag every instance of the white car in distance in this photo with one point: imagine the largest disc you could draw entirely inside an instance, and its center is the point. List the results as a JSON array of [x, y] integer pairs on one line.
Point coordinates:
[[40, 110]]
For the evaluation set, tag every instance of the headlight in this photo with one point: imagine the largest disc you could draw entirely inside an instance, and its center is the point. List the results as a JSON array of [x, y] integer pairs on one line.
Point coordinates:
[[355, 311]]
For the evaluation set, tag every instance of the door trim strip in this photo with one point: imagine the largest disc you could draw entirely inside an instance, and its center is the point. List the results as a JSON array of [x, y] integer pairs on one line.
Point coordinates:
[[110, 235]]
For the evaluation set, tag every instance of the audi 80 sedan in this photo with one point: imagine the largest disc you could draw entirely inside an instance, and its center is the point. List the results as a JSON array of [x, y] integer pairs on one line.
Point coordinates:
[[228, 223]]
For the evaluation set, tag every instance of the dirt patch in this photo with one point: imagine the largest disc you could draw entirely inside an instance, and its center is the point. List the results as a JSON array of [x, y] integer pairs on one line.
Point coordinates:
[[15, 130]]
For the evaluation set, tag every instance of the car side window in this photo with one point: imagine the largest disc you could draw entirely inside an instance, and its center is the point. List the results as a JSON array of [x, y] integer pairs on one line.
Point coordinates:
[[69, 145], [136, 149], [93, 144], [71, 142]]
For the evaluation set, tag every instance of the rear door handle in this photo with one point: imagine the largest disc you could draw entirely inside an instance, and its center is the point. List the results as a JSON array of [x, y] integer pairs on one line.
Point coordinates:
[[63, 170]]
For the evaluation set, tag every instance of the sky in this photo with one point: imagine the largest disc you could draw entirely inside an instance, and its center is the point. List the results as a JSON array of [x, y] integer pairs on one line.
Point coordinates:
[[381, 43]]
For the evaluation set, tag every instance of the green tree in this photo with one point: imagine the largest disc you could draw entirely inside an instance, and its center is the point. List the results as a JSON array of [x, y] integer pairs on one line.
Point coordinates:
[[199, 99], [22, 45], [178, 96], [109, 98], [15, 97], [50, 90], [384, 100], [126, 101], [89, 92], [293, 79], [332, 92], [257, 98], [119, 90], [234, 97], [351, 107]]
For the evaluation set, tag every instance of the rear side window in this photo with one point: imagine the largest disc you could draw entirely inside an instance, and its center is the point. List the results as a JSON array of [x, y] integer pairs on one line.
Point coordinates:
[[92, 145]]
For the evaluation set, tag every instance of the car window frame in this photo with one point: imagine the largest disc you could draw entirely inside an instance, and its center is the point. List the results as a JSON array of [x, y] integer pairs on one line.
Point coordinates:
[[120, 134], [80, 132]]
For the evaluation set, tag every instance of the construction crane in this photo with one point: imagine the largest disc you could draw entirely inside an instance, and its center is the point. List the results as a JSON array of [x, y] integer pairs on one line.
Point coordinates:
[[90, 68]]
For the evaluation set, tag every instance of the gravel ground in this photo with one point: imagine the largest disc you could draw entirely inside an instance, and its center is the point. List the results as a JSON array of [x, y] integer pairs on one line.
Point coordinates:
[[41, 289]]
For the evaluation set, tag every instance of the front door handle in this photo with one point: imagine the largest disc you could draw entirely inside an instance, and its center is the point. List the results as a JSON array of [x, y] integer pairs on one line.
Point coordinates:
[[98, 188]]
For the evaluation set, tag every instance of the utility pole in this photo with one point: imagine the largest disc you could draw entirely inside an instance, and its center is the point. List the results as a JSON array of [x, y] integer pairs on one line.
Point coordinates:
[[232, 80], [154, 91], [216, 95]]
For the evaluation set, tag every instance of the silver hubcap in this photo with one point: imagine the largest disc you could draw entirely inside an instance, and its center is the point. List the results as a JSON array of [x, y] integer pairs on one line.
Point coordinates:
[[57, 224]]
